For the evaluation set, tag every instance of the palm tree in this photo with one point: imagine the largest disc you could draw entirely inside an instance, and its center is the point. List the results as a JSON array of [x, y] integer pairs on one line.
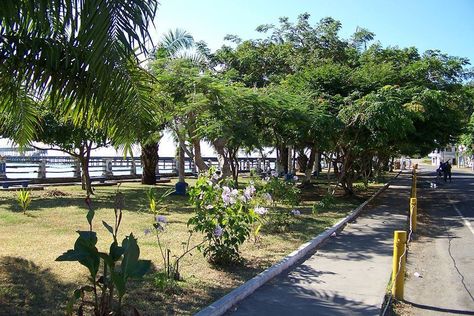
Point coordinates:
[[83, 53], [172, 45]]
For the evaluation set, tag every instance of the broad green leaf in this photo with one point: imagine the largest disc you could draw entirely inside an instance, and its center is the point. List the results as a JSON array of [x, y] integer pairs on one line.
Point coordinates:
[[90, 216], [109, 228], [119, 282]]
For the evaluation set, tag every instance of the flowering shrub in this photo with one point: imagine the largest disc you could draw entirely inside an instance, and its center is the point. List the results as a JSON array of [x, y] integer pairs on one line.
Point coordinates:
[[278, 191], [225, 215]]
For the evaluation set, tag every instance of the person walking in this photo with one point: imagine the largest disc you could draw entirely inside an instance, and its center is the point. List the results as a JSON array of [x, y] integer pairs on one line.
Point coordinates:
[[440, 170], [447, 171]]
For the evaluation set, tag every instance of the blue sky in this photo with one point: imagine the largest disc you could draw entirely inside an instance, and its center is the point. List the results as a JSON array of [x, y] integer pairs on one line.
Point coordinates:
[[446, 25]]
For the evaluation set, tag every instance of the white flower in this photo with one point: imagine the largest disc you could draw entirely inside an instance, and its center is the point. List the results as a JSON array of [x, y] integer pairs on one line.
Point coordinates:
[[261, 210], [209, 207], [296, 212], [229, 196], [249, 192], [295, 178]]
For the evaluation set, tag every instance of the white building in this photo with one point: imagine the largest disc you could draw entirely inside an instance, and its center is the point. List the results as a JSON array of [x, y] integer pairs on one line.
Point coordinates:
[[456, 155]]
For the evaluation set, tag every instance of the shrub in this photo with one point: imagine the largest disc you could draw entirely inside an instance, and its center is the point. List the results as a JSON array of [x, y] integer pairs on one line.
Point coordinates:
[[284, 192]]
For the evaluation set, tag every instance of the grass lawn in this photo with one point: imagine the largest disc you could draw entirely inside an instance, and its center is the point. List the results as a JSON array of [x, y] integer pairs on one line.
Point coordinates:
[[32, 283]]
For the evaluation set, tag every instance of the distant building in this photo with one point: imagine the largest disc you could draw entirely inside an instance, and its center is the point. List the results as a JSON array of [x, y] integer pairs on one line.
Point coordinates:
[[455, 154]]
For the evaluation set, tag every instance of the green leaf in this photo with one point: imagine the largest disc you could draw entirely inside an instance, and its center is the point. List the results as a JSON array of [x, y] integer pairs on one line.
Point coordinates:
[[115, 251], [119, 282], [90, 216], [130, 256], [109, 228], [72, 255]]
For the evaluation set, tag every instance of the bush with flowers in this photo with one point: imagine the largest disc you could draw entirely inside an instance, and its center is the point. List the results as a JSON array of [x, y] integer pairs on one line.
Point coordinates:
[[278, 191], [225, 215]]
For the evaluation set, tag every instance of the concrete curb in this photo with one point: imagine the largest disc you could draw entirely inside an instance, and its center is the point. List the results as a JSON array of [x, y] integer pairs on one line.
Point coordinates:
[[223, 304]]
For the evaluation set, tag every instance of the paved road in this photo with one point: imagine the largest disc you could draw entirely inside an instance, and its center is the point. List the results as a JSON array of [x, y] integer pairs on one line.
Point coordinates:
[[443, 253], [348, 275]]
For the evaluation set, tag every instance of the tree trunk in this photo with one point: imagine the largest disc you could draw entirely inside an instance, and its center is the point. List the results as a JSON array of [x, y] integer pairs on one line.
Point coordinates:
[[335, 168], [84, 157], [149, 159], [283, 155], [196, 143], [86, 179], [181, 161], [309, 165], [222, 157], [200, 163], [302, 161], [290, 160], [347, 175], [234, 164]]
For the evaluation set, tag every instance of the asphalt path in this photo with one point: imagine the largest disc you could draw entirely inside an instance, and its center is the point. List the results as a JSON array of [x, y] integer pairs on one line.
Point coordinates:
[[440, 266], [346, 276]]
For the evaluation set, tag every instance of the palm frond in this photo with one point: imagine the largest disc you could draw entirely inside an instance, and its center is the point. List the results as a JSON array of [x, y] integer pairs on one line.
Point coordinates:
[[176, 40], [79, 52]]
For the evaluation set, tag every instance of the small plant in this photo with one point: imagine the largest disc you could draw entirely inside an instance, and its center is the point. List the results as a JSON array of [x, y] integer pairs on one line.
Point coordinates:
[[167, 278], [118, 266], [326, 202], [151, 200], [361, 187], [24, 199], [225, 215]]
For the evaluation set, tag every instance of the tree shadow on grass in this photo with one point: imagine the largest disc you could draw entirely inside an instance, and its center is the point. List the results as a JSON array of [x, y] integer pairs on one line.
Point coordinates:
[[135, 201], [27, 289]]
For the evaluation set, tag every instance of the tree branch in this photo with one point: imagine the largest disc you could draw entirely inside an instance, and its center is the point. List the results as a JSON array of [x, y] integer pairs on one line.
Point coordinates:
[[57, 149]]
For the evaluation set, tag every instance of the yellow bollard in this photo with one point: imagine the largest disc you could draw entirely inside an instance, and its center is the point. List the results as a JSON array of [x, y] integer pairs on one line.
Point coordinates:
[[399, 259], [413, 186], [413, 213]]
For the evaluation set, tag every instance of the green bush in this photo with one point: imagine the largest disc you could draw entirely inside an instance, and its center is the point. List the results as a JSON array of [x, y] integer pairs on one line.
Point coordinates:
[[283, 192], [326, 202]]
